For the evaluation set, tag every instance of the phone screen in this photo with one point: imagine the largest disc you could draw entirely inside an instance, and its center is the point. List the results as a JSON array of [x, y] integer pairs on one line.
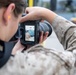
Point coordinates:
[[30, 33]]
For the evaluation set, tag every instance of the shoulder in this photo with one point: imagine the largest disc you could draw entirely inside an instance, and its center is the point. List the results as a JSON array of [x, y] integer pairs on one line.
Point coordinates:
[[37, 60]]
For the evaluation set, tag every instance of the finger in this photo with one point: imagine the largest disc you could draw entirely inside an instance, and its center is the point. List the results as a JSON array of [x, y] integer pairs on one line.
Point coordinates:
[[25, 18], [41, 37], [45, 36], [27, 10]]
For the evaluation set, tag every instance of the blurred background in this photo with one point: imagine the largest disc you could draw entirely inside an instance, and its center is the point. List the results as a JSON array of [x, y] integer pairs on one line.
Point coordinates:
[[65, 8]]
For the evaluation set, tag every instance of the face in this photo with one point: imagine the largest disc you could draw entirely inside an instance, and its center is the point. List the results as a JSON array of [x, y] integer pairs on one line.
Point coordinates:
[[13, 26], [9, 23]]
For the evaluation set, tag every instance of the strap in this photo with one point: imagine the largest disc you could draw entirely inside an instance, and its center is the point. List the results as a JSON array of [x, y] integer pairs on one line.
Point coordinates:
[[6, 52]]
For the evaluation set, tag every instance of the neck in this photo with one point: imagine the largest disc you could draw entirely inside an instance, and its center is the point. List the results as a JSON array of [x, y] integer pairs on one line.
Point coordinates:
[[3, 33], [2, 28]]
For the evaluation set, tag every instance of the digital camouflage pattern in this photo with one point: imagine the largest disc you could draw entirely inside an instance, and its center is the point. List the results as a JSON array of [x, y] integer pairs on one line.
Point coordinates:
[[38, 60]]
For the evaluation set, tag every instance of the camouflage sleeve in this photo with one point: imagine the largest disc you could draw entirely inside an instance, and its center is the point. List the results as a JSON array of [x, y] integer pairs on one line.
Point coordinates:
[[66, 32], [40, 61]]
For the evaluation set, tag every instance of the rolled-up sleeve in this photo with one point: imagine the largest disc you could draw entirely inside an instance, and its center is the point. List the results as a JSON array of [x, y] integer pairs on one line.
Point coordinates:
[[65, 31]]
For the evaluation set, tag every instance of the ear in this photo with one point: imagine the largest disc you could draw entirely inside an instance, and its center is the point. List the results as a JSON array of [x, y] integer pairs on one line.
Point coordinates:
[[8, 13]]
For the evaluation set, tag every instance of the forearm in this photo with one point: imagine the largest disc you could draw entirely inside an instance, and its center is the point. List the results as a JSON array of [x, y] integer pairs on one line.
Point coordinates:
[[36, 13], [48, 15]]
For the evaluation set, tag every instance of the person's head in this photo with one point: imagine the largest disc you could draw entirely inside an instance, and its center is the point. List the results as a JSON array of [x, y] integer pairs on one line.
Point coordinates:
[[10, 15]]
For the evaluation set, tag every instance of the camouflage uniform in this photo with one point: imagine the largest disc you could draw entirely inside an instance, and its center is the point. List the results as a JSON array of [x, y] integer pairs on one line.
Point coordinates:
[[41, 61]]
